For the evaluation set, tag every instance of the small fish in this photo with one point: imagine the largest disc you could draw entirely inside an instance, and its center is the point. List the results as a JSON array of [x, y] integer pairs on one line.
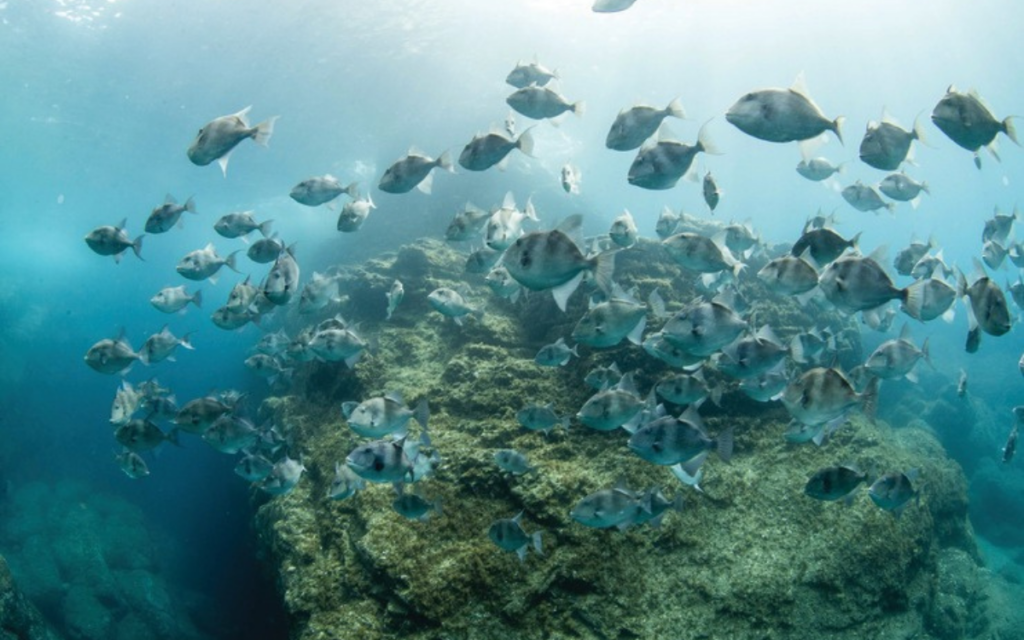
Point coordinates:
[[556, 354], [241, 224], [541, 418], [132, 464], [450, 303], [345, 483], [111, 356], [540, 103], [571, 178], [894, 491], [164, 217], [886, 145], [486, 150], [467, 223], [834, 483], [283, 477], [712, 194], [354, 214], [174, 299], [253, 467], [113, 241], [864, 198], [319, 190], [782, 115], [638, 123], [513, 462], [265, 250], [161, 346], [526, 73], [283, 280], [413, 171], [394, 296], [900, 186], [965, 120], [509, 535], [660, 165], [384, 415], [218, 138], [203, 264], [413, 506], [817, 169]]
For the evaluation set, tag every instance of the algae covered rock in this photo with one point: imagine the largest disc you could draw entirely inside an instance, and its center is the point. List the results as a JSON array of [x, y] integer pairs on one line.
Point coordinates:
[[749, 557]]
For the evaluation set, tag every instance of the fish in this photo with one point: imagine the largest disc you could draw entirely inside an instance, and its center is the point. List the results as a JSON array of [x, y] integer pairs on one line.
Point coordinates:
[[834, 483], [413, 171], [638, 123], [703, 328], [886, 145], [283, 280], [230, 434], [114, 241], [319, 190], [998, 227], [864, 198], [667, 440], [265, 250], [623, 231], [203, 264], [526, 73], [993, 254], [660, 165], [824, 244], [817, 169], [413, 506], [164, 217], [345, 483], [571, 178], [509, 535], [283, 477], [603, 377], [607, 323], [556, 354], [824, 395], [897, 358], [127, 401], [614, 407], [483, 260], [513, 462], [174, 299], [384, 415], [617, 507], [790, 275], [1011, 446], [611, 6], [394, 295], [552, 260], [541, 103], [782, 115], [354, 214], [753, 355], [505, 224], [161, 346], [219, 137], [900, 186], [712, 194], [543, 418], [988, 309], [486, 150], [241, 224], [253, 467], [968, 122], [132, 464], [893, 491], [701, 254], [467, 223], [450, 303], [140, 435], [667, 223], [112, 356], [856, 283], [197, 415]]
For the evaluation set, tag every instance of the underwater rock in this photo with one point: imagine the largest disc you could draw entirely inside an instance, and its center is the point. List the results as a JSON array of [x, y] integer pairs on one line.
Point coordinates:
[[19, 619], [748, 554]]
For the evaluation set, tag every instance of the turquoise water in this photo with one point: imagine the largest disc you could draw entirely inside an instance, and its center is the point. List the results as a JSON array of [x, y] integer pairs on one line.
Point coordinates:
[[101, 101]]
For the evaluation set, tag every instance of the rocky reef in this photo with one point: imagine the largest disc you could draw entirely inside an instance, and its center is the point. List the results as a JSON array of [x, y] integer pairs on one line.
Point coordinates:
[[750, 557]]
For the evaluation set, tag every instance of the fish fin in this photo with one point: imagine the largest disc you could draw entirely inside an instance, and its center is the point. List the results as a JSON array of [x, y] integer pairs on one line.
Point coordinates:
[[562, 292], [264, 130]]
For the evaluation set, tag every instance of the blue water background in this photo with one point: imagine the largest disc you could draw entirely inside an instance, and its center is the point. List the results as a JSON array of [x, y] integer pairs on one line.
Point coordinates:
[[100, 104]]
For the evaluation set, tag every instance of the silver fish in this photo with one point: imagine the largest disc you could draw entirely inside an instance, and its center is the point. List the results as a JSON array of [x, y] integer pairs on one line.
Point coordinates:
[[413, 171], [113, 241], [164, 217], [218, 138], [638, 123], [319, 190]]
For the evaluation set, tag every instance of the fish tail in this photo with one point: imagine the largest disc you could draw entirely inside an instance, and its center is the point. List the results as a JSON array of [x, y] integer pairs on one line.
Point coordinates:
[[1010, 130], [261, 134], [137, 247]]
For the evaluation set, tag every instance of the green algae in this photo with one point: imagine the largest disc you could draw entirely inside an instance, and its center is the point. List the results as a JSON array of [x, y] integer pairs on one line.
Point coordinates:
[[751, 557]]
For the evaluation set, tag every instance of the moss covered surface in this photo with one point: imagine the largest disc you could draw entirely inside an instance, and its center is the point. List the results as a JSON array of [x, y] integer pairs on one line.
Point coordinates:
[[752, 557]]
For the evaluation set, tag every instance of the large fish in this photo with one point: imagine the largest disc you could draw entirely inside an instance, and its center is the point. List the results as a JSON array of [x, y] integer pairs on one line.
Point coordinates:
[[218, 138]]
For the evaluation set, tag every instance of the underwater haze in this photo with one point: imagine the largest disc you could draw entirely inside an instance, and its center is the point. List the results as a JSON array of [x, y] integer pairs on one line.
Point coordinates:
[[103, 98]]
